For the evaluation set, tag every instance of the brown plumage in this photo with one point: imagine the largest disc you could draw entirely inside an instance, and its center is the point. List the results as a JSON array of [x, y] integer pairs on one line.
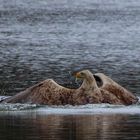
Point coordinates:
[[123, 95], [50, 93]]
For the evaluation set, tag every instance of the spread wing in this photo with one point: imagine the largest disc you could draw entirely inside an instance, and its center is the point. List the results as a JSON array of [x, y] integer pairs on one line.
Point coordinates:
[[46, 92], [106, 83]]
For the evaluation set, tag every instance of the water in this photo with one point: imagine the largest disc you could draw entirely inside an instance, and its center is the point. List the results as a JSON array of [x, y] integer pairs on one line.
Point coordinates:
[[72, 127], [98, 121], [42, 39]]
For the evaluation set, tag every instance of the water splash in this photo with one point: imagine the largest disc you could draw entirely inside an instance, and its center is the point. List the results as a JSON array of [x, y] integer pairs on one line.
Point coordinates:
[[16, 107]]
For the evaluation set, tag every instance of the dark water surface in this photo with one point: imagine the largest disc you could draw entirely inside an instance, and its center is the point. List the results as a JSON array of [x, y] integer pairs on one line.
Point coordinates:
[[69, 127], [42, 39]]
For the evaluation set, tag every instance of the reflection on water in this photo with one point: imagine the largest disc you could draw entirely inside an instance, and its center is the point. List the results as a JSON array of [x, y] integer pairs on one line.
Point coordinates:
[[42, 39], [68, 127]]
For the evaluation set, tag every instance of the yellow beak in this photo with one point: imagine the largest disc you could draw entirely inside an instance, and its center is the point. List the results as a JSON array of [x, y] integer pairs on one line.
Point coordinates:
[[77, 75]]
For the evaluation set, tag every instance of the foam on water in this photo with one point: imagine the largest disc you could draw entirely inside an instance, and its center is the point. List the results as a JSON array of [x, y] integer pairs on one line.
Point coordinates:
[[69, 109]]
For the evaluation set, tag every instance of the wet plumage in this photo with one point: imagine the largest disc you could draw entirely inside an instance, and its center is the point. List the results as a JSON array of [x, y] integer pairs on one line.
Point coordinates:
[[50, 93]]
